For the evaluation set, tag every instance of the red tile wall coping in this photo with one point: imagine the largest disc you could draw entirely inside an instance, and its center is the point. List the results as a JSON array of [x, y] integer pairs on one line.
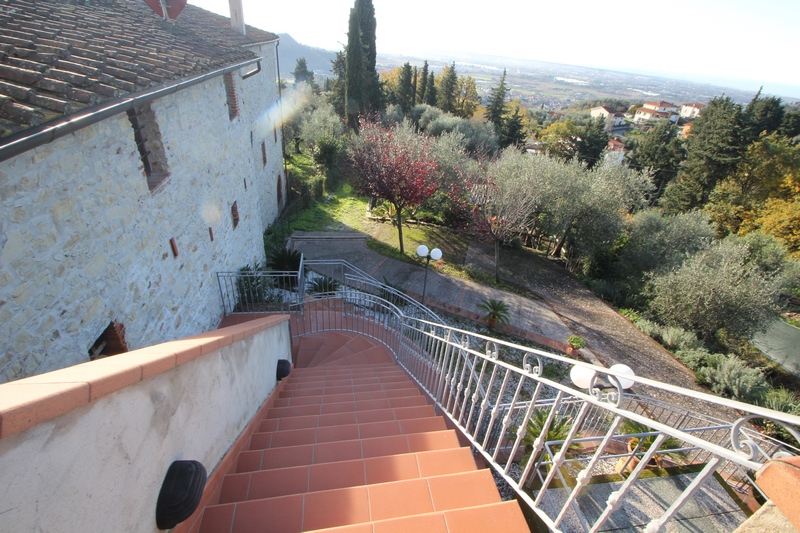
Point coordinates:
[[780, 481], [31, 401], [559, 346], [227, 465]]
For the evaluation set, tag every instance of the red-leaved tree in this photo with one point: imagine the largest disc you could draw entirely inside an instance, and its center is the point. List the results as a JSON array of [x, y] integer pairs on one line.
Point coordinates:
[[395, 165]]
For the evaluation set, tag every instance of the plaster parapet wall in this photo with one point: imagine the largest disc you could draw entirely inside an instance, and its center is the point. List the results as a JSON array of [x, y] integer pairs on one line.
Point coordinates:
[[84, 242], [86, 448]]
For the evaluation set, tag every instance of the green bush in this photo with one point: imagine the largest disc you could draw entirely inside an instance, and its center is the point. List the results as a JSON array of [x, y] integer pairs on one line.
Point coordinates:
[[729, 376], [782, 400], [249, 288], [576, 342], [558, 430], [318, 187], [631, 314], [676, 338], [694, 358], [285, 260], [323, 284], [496, 310], [648, 327]]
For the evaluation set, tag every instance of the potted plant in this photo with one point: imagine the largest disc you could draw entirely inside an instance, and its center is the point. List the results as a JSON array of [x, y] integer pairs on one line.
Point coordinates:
[[575, 344], [641, 445], [496, 311]]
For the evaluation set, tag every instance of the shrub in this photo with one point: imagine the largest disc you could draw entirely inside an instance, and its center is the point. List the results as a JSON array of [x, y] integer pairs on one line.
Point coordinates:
[[631, 314], [323, 284], [318, 187], [782, 400], [717, 288], [285, 260], [785, 401], [576, 342], [610, 291], [694, 358], [676, 338], [249, 288], [729, 376], [496, 310], [558, 430], [648, 327]]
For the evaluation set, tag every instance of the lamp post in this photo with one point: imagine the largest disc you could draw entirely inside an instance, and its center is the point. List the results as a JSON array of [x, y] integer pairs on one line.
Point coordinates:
[[434, 254]]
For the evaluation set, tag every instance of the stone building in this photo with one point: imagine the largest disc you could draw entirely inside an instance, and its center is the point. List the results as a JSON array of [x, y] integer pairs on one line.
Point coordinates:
[[139, 155]]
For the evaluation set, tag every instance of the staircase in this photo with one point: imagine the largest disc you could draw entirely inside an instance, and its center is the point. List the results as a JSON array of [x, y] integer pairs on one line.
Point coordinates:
[[352, 444]]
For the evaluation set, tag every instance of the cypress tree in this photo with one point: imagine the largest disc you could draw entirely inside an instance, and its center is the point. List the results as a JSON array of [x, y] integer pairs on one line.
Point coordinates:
[[446, 99], [373, 97], [497, 105], [430, 90], [423, 83], [354, 82]]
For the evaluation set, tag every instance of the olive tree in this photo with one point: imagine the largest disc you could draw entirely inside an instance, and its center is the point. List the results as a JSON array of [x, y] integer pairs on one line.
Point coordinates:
[[723, 286]]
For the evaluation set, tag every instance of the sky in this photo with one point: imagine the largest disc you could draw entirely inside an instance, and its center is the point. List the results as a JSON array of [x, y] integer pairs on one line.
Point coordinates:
[[741, 43]]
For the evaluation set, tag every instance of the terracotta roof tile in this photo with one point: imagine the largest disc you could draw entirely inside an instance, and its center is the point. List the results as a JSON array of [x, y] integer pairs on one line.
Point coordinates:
[[58, 57]]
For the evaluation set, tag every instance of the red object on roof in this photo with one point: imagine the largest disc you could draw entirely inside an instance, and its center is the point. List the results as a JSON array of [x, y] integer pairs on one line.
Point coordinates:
[[174, 7]]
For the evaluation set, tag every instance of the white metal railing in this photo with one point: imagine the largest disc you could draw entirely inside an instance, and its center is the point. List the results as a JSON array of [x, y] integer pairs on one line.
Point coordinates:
[[491, 390]]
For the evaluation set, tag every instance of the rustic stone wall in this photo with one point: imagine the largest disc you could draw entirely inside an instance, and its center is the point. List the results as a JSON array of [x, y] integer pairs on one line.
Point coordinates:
[[83, 240]]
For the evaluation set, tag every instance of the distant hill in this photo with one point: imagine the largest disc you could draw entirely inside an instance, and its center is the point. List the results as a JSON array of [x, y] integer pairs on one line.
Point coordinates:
[[317, 59]]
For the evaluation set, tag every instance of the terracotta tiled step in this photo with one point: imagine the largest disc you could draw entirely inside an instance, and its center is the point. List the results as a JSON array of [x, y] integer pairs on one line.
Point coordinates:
[[273, 416], [502, 517], [376, 445], [317, 382], [333, 433], [364, 371], [327, 476], [390, 383], [345, 397], [353, 505]]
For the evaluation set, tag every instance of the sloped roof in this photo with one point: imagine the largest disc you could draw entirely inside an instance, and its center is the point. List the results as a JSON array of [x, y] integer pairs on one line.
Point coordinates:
[[59, 57]]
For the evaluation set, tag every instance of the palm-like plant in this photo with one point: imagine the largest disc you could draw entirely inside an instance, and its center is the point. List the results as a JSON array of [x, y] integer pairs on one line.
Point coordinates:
[[496, 311], [285, 260], [324, 284], [630, 427], [558, 431]]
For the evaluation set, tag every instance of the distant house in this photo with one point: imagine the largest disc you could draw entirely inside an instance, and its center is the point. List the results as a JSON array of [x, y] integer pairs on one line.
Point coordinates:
[[646, 114], [692, 110], [600, 111], [615, 152], [664, 107], [618, 119]]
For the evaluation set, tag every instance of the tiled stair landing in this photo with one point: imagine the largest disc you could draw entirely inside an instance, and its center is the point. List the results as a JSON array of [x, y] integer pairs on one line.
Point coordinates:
[[351, 445]]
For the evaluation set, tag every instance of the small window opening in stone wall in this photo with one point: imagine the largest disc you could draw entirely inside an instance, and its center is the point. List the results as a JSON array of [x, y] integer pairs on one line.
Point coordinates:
[[230, 93], [275, 134], [235, 214], [264, 153], [280, 190], [147, 135], [110, 342]]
